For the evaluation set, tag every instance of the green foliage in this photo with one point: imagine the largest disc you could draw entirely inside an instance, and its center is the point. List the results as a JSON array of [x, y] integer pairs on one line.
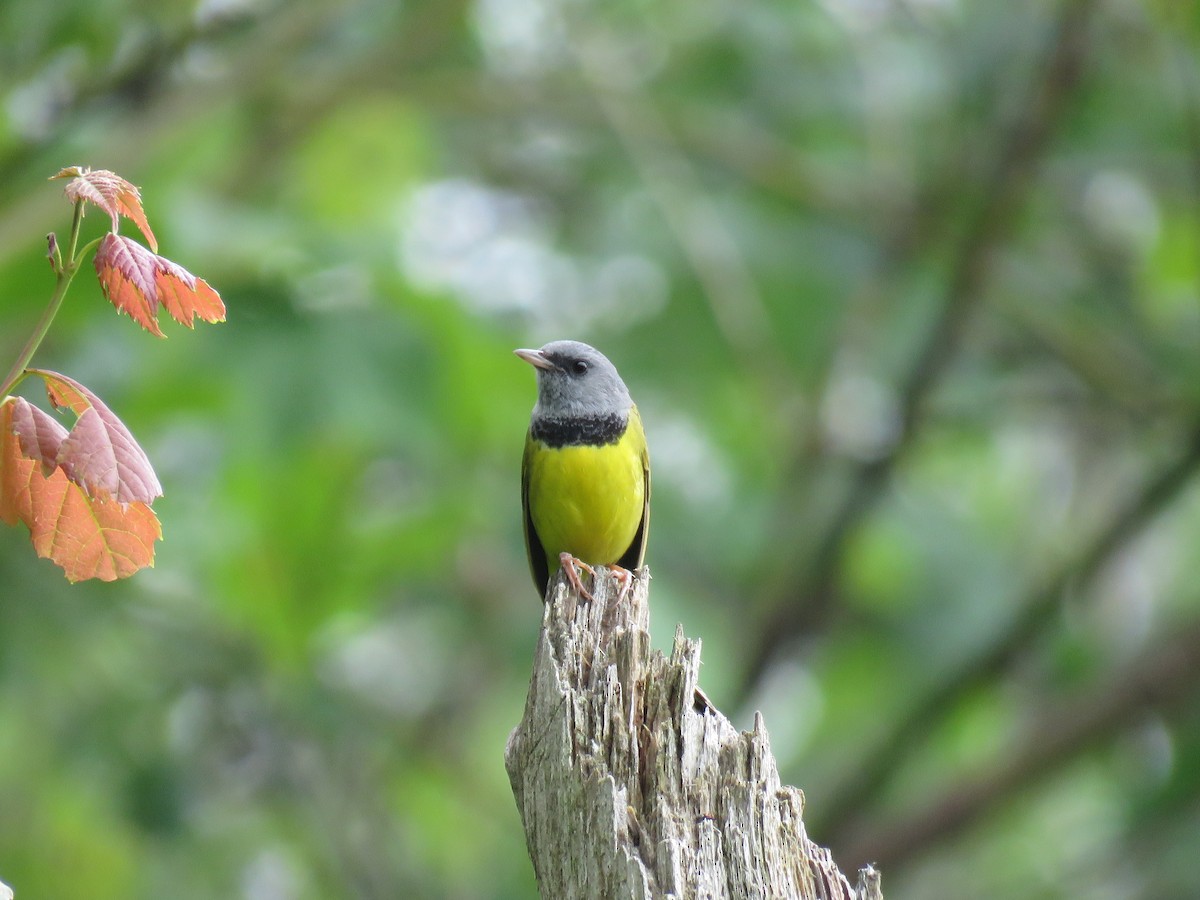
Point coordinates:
[[907, 293]]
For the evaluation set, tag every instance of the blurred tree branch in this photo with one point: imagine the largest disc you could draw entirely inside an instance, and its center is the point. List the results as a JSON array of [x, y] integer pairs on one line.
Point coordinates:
[[140, 76], [706, 241], [1189, 88], [153, 91], [1038, 608], [803, 596], [140, 80], [1166, 674]]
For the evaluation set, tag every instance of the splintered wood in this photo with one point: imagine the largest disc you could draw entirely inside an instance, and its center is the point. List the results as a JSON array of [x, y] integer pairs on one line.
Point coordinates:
[[630, 783]]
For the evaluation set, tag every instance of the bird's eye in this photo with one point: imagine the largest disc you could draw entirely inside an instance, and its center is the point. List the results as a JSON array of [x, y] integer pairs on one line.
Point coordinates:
[[579, 367]]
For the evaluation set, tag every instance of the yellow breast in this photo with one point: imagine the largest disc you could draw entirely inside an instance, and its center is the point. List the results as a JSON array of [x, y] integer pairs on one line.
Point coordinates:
[[588, 501]]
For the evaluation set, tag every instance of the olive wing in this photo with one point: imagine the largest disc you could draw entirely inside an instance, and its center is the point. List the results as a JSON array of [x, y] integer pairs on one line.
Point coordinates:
[[538, 566], [636, 554]]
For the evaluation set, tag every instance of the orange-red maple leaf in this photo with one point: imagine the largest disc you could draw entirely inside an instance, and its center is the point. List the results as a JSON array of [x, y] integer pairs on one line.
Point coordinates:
[[87, 536], [111, 193], [137, 281]]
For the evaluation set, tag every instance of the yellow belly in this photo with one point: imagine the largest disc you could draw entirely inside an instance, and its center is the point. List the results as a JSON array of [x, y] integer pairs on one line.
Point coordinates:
[[587, 501]]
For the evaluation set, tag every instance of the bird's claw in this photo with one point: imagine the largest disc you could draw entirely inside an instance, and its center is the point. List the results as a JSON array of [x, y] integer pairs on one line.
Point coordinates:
[[624, 581], [569, 564]]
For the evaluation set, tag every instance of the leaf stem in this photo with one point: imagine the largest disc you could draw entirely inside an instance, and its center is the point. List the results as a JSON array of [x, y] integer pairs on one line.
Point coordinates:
[[64, 274]]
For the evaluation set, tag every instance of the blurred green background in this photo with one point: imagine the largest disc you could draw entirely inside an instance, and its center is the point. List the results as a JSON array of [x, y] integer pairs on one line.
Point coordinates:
[[908, 292]]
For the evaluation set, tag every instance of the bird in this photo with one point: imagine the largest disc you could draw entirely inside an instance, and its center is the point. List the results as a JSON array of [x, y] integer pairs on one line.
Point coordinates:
[[585, 472]]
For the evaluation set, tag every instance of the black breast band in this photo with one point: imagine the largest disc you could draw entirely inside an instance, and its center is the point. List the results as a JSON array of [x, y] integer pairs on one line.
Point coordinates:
[[592, 431]]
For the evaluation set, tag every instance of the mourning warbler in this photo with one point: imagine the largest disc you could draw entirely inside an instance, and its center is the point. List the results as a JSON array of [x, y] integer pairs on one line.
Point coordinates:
[[585, 475]]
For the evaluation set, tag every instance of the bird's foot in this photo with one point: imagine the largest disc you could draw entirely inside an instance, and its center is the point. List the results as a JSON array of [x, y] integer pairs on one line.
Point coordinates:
[[569, 564], [624, 581]]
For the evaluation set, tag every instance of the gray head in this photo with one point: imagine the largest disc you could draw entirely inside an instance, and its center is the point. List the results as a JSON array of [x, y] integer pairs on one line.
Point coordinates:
[[575, 380]]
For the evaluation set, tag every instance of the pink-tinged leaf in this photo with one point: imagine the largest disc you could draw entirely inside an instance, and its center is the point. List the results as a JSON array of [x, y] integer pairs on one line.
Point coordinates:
[[38, 433], [111, 193], [137, 282], [185, 296], [127, 272], [88, 537], [99, 454]]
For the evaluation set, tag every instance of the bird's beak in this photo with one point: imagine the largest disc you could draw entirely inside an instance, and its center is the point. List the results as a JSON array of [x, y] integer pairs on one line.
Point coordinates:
[[535, 358]]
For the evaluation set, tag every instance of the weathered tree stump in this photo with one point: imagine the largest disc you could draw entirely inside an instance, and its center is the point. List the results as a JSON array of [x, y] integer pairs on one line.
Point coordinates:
[[631, 784]]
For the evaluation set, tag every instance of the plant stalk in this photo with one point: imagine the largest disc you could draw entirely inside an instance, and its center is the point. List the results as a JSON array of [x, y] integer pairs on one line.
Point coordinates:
[[64, 275]]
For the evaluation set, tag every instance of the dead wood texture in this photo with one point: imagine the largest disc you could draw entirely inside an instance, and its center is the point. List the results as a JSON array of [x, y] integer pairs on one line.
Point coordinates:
[[630, 784]]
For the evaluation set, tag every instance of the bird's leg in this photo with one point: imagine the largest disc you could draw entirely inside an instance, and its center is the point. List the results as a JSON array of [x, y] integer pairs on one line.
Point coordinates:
[[568, 563]]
